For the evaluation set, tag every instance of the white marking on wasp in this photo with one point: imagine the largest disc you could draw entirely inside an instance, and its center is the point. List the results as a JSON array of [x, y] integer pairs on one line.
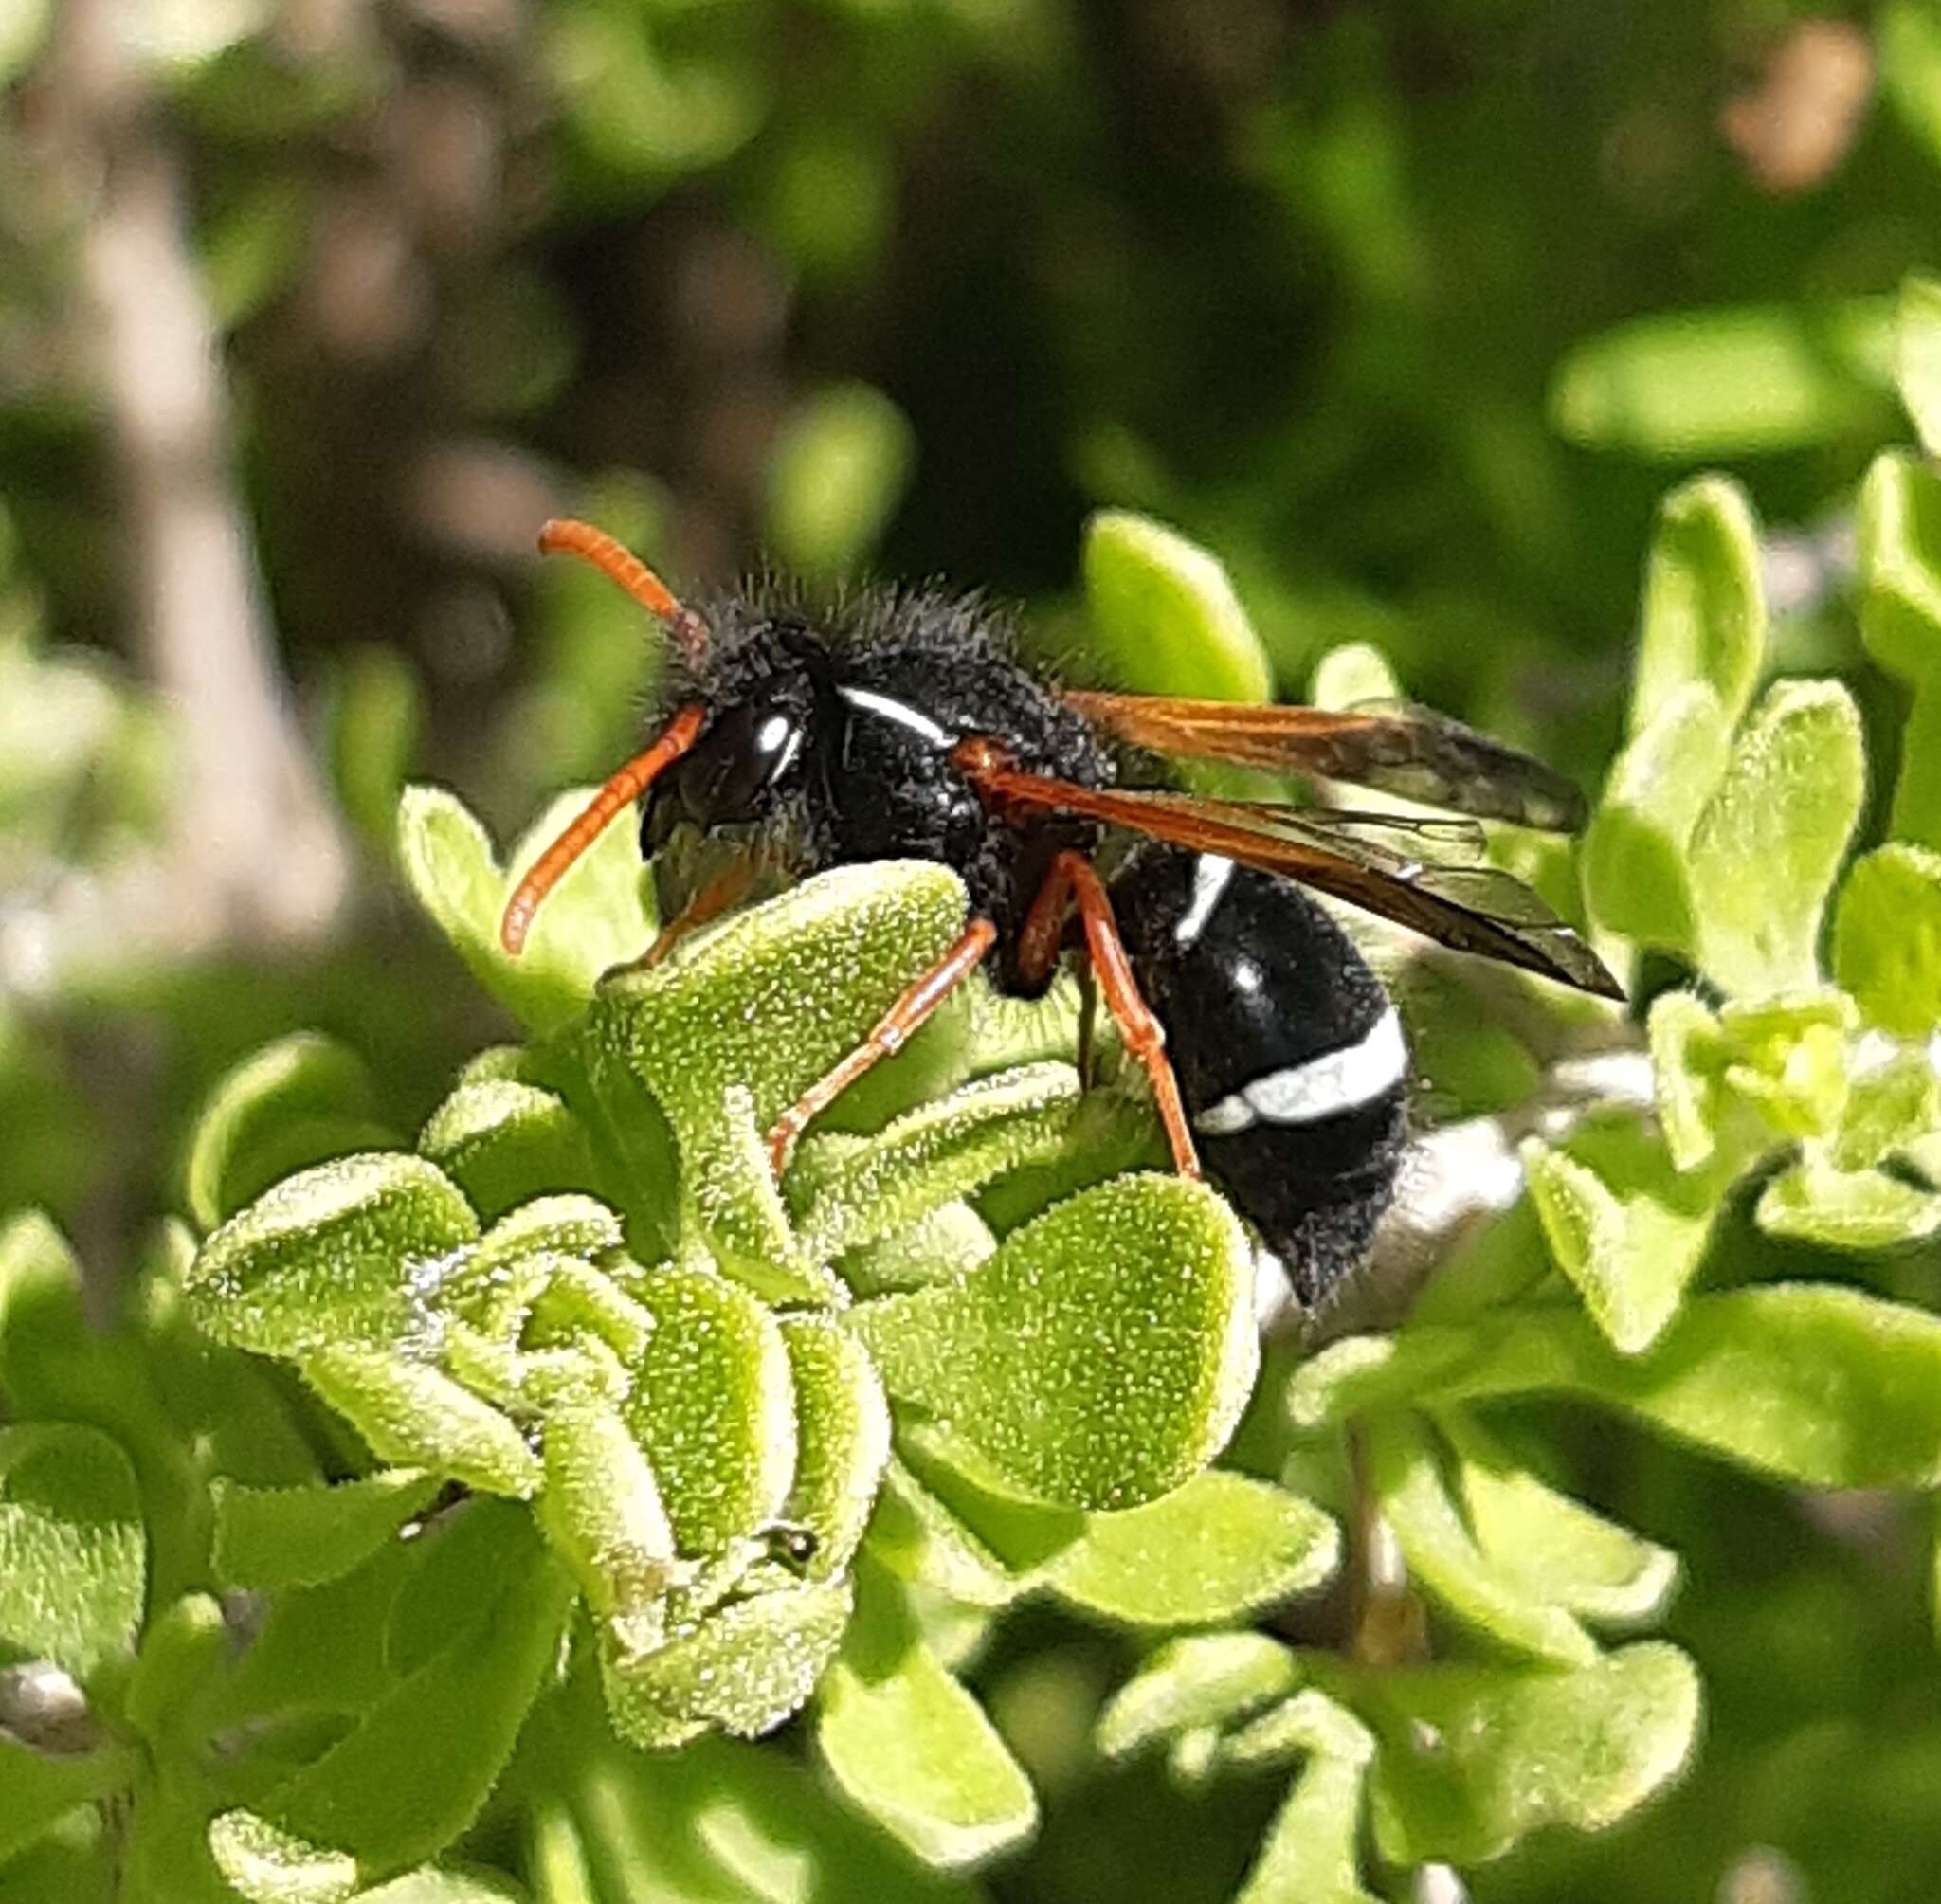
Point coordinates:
[[1323, 1087], [898, 711], [1210, 875]]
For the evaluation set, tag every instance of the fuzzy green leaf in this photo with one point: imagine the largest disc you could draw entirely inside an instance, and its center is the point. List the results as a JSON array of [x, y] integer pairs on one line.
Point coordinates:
[[416, 1769], [603, 1512], [301, 1536], [843, 1427], [303, 1100], [1548, 1546], [1688, 1062], [1312, 1850], [1474, 1758], [1814, 1200], [1208, 1680], [504, 1143], [1164, 619], [1443, 1556], [1622, 1224], [1635, 871], [1769, 841], [183, 1652], [1356, 671], [863, 1193], [1102, 1357], [597, 917], [714, 1406], [1893, 1107], [918, 1536], [945, 1246], [1704, 613], [1815, 1384], [910, 1746], [1219, 1549], [328, 1254], [1899, 556], [444, 1887], [1887, 938], [73, 1554], [825, 960], [413, 1416], [747, 1668]]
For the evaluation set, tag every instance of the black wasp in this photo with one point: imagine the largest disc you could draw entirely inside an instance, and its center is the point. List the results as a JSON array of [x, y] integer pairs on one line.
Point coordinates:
[[901, 726]]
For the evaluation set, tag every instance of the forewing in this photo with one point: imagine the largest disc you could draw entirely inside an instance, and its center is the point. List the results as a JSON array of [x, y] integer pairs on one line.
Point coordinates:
[[1392, 746], [1472, 909]]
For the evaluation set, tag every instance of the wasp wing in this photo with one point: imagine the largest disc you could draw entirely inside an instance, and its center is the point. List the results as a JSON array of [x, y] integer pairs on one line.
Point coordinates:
[[1392, 746], [1471, 908]]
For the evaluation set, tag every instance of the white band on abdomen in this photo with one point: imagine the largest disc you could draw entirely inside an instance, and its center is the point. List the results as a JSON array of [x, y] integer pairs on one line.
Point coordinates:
[[1323, 1087]]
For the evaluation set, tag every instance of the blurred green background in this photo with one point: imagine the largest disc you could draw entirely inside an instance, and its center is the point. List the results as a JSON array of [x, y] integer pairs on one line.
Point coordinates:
[[311, 310]]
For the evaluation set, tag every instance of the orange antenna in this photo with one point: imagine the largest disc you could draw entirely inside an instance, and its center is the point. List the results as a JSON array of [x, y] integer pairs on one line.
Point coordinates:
[[565, 536], [618, 793]]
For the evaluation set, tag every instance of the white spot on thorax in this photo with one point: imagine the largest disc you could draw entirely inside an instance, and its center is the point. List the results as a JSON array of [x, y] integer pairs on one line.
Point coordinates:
[[1210, 875], [774, 732], [890, 707], [1323, 1087]]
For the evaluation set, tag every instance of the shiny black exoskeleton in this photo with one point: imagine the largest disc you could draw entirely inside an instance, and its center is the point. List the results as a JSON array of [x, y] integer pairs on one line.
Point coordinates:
[[828, 741], [1290, 1056]]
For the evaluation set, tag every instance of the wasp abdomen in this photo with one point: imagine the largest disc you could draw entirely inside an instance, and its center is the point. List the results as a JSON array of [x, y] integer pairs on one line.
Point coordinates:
[[1290, 1057]]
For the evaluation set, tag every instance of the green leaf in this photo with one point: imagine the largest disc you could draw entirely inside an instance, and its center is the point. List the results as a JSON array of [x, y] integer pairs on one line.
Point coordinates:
[[596, 917], [75, 1861], [1636, 876], [38, 1789], [1548, 1546], [1892, 1106], [1814, 1200], [1898, 527], [1917, 816], [916, 1537], [328, 1254], [836, 474], [505, 1143], [1312, 1850], [1622, 1224], [910, 1748], [1354, 671], [444, 1887], [1817, 1384], [943, 1246], [301, 1536], [823, 962], [73, 1552], [1770, 840], [183, 1653], [603, 1512], [1887, 938], [843, 1427], [1917, 367], [1704, 613], [747, 1668], [304, 1099], [1730, 381], [413, 1416], [1689, 1057], [1221, 1547], [713, 1404], [1474, 1758], [1102, 1357], [1444, 1557], [860, 1193], [1164, 616], [1908, 38], [1211, 1679], [416, 1769]]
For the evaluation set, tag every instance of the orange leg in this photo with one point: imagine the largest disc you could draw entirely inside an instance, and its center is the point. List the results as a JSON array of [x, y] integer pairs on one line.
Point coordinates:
[[624, 789], [1144, 1036], [715, 898], [892, 1029]]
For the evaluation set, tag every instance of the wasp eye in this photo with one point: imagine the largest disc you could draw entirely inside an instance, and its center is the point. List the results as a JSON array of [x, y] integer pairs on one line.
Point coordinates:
[[730, 772]]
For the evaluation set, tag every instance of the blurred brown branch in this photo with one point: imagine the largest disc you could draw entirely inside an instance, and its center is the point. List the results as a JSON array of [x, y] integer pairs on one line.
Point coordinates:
[[254, 852]]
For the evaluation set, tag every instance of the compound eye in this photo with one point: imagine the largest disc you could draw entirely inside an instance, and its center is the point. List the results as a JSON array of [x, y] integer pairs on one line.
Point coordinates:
[[744, 754]]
